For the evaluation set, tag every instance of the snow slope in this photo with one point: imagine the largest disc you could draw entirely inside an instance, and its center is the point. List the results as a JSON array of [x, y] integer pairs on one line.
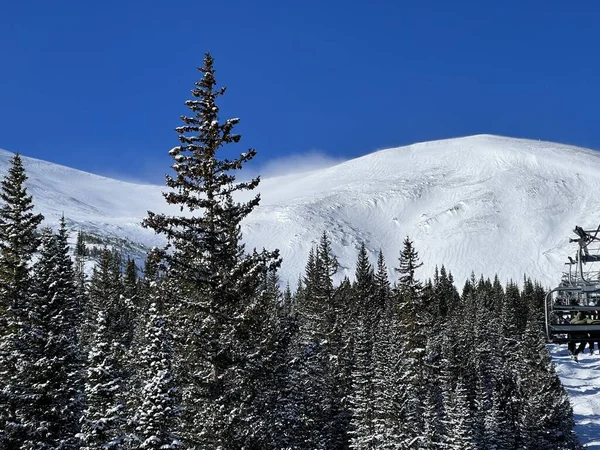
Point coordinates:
[[583, 385], [484, 203], [89, 202]]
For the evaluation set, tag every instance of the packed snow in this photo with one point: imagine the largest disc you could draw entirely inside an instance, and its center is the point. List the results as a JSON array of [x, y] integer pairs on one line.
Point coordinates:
[[484, 203], [583, 385]]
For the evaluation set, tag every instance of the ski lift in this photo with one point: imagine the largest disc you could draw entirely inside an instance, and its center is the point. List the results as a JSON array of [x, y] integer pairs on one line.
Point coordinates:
[[578, 291]]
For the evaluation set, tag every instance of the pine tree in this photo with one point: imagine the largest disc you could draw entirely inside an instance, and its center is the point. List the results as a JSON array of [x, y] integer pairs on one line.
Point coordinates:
[[413, 323], [322, 351], [129, 302], [382, 283], [18, 242], [459, 423], [103, 417], [370, 310], [389, 390], [106, 331], [547, 416], [364, 284], [213, 281], [362, 399], [81, 254], [130, 282], [55, 374], [154, 420], [408, 284], [511, 321]]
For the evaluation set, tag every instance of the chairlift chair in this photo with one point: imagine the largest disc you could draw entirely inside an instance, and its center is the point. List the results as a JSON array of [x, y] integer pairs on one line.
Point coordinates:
[[579, 291]]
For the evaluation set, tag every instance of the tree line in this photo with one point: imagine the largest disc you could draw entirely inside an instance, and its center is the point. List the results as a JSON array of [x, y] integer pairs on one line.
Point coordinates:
[[206, 350]]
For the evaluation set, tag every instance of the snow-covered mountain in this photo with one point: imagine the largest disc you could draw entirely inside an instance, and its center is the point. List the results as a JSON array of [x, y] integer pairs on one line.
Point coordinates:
[[484, 203]]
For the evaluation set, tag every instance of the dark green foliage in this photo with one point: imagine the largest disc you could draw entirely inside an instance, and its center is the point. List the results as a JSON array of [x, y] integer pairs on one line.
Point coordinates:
[[321, 349], [214, 285], [156, 400], [107, 332], [81, 253], [18, 242], [103, 419], [430, 369], [382, 283], [55, 374]]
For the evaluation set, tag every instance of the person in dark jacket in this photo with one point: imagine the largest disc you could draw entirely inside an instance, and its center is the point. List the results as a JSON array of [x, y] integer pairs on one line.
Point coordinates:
[[594, 335], [581, 337]]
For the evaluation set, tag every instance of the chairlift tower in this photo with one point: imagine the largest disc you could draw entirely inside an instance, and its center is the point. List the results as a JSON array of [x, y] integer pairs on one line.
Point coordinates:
[[579, 290]]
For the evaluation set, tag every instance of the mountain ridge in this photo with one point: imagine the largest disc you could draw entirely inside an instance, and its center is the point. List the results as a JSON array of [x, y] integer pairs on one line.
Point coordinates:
[[482, 203]]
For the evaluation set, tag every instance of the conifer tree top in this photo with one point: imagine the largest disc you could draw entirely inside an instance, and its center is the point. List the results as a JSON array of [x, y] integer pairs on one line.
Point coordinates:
[[205, 183]]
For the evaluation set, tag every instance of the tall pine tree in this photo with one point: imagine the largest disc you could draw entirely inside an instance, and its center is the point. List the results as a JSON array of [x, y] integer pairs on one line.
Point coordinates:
[[56, 373], [18, 242], [214, 283]]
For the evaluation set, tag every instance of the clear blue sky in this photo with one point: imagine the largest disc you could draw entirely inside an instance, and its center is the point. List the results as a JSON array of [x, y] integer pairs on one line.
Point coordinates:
[[100, 85]]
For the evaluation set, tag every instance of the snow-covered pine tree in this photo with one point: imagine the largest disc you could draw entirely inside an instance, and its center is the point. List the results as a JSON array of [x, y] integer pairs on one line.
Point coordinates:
[[362, 398], [81, 253], [511, 322], [547, 416], [152, 274], [413, 323], [361, 332], [103, 417], [388, 389], [433, 416], [211, 277], [130, 283], [483, 360], [129, 300], [273, 411], [154, 419], [364, 283], [18, 242], [459, 427], [149, 290], [446, 297], [382, 283], [55, 375], [315, 349], [107, 365], [502, 420], [409, 262], [337, 311]]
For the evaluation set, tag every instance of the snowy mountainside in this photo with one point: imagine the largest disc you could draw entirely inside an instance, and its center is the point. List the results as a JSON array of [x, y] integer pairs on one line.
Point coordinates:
[[108, 209], [483, 203]]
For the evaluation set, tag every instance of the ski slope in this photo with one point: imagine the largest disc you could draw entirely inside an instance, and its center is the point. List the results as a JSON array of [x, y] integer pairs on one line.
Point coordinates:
[[583, 385]]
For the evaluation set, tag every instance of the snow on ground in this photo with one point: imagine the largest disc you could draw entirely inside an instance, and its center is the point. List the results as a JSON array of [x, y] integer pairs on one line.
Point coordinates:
[[582, 381]]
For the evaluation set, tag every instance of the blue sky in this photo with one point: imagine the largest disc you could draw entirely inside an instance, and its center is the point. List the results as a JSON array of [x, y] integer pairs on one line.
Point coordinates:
[[100, 85]]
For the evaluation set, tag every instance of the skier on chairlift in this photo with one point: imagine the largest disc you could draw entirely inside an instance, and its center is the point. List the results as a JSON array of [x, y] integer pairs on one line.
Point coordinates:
[[581, 337]]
